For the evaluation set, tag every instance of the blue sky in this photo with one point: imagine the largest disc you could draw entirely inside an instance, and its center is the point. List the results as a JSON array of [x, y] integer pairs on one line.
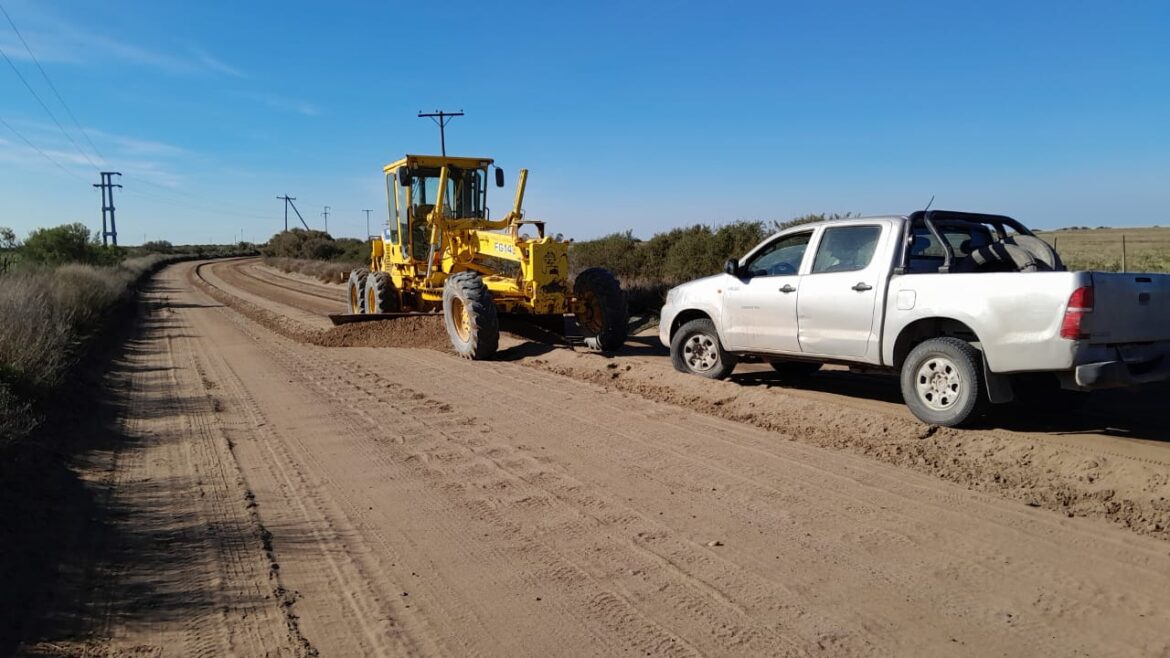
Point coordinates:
[[639, 116]]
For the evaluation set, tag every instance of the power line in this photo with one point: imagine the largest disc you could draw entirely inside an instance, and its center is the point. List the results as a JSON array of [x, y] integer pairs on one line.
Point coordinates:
[[51, 85], [38, 150], [47, 110], [237, 210], [192, 206]]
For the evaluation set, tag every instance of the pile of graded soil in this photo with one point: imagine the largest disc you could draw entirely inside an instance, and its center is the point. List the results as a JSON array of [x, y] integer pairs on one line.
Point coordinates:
[[416, 331]]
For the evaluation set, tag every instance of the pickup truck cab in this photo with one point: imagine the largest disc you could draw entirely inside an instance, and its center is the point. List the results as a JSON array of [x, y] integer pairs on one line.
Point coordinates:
[[962, 305]]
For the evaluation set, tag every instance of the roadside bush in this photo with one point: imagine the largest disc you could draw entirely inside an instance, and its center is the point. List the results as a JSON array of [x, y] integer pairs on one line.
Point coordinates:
[[315, 245], [68, 243], [620, 252], [48, 312], [335, 271], [648, 268]]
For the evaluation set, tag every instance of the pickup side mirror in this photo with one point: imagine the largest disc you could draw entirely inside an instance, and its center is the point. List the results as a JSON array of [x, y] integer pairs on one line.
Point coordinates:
[[499, 177], [404, 177], [731, 266]]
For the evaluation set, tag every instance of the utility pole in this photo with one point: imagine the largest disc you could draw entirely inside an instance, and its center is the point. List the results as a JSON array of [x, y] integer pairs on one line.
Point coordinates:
[[367, 211], [442, 119], [288, 201], [107, 186], [325, 214]]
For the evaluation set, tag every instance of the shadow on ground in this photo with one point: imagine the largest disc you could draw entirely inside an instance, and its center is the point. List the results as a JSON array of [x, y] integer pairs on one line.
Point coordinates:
[[1132, 413], [79, 555]]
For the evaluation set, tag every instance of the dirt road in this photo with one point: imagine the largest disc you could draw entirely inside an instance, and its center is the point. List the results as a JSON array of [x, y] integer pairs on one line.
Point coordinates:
[[274, 496]]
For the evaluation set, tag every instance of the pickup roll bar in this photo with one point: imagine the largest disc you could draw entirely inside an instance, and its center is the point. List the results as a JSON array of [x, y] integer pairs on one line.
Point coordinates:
[[931, 218]]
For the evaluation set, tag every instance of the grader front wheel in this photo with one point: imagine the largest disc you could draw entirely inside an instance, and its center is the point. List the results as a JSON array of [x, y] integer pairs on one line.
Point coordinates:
[[600, 309], [470, 316]]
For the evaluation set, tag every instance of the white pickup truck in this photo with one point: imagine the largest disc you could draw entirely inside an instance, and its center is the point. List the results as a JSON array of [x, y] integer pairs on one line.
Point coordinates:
[[966, 307]]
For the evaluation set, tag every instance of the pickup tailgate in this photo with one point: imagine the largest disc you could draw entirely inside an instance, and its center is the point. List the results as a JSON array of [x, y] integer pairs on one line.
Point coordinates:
[[1130, 308]]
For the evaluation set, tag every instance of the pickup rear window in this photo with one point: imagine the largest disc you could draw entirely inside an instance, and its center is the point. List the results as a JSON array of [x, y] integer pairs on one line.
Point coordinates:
[[927, 255]]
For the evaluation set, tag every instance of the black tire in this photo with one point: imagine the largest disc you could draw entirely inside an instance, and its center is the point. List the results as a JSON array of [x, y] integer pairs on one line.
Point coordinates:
[[605, 319], [942, 382], [795, 369], [695, 349], [470, 316], [357, 291], [381, 295]]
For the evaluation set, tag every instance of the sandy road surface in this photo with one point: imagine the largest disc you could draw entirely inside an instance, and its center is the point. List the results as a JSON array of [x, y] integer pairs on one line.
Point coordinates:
[[276, 497]]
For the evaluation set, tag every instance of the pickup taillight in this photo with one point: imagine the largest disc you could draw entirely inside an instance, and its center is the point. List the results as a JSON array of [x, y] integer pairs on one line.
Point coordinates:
[[1080, 302]]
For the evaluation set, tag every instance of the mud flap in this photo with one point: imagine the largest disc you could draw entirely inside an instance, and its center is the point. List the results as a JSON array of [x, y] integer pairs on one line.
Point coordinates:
[[999, 387]]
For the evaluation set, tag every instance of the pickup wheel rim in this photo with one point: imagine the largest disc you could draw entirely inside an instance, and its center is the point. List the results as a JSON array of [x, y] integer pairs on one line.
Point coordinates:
[[938, 383], [701, 352]]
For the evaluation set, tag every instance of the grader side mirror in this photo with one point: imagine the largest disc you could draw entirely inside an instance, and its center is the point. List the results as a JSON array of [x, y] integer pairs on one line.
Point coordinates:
[[404, 177], [499, 177]]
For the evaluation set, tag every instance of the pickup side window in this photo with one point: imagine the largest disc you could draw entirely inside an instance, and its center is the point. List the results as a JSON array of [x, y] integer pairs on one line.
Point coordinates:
[[781, 258], [846, 249], [927, 255]]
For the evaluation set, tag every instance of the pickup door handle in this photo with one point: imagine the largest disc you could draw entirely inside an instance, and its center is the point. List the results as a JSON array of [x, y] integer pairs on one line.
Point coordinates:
[[862, 287], [787, 288]]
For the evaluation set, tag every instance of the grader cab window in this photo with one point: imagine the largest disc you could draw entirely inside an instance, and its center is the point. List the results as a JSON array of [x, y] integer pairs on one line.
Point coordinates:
[[464, 197]]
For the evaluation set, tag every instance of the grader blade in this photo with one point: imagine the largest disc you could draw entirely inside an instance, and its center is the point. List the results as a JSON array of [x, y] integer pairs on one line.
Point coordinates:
[[349, 318]]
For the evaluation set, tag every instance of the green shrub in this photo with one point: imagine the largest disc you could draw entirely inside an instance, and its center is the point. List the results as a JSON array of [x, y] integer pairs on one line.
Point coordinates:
[[68, 243], [647, 268], [315, 245]]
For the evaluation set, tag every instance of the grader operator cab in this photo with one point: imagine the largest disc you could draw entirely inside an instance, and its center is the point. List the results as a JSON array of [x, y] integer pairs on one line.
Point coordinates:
[[441, 252]]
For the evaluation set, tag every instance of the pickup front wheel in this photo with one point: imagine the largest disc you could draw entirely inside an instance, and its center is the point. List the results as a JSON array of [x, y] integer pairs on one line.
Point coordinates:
[[942, 381], [696, 349]]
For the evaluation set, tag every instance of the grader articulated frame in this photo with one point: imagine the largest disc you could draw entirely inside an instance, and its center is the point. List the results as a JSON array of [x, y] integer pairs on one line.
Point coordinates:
[[440, 252]]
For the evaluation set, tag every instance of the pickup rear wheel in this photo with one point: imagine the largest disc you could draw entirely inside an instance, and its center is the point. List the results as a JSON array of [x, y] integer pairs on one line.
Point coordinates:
[[942, 381], [695, 349]]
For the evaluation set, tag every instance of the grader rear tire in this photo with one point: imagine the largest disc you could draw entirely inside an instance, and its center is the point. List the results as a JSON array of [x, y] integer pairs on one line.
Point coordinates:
[[357, 291], [381, 296], [470, 316], [605, 318]]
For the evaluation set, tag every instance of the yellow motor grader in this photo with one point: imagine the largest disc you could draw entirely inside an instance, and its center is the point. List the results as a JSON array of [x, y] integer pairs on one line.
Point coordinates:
[[441, 252]]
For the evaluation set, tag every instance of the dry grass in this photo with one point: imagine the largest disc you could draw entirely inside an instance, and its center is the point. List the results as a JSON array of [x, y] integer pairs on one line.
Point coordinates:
[[46, 315], [323, 270], [1147, 249]]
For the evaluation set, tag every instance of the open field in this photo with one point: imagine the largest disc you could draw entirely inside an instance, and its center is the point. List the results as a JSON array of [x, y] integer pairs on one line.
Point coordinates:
[[265, 484], [1147, 249]]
